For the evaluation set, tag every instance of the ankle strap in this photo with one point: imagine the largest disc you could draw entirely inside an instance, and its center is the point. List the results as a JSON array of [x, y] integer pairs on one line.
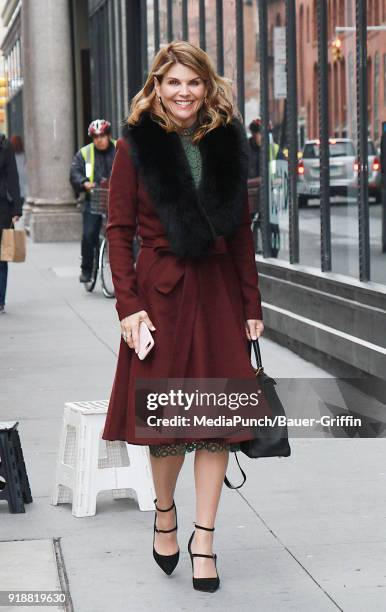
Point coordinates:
[[160, 509], [206, 528]]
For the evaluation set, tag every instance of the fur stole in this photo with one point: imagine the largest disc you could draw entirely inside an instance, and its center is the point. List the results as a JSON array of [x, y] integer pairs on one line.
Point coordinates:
[[192, 216]]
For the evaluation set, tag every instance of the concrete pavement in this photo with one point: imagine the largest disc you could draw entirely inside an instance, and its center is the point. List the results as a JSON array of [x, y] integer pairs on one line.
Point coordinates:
[[305, 533]]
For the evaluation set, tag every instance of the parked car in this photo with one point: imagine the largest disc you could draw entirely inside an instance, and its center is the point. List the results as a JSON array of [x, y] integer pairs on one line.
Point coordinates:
[[342, 172], [374, 170]]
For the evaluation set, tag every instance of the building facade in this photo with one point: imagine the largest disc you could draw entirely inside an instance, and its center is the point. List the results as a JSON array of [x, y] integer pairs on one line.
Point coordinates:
[[341, 67]]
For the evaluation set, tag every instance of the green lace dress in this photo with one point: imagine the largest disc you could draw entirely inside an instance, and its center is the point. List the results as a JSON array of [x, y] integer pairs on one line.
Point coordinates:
[[193, 155]]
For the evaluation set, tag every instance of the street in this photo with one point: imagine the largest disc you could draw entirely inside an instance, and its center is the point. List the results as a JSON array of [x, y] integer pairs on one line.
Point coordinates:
[[305, 532], [344, 238]]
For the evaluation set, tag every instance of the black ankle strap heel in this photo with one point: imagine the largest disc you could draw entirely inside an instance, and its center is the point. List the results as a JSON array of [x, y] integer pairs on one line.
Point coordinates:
[[166, 562], [209, 585]]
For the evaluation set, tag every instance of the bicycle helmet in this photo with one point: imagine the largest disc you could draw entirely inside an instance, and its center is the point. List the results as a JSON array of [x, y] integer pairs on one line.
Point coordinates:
[[255, 125], [99, 127]]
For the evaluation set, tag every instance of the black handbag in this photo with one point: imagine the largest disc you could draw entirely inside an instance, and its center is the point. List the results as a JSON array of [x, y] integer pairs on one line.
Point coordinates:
[[270, 440]]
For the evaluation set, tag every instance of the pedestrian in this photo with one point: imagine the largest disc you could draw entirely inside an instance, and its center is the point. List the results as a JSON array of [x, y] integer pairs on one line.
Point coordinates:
[[18, 148], [254, 177], [254, 150], [90, 166], [180, 180], [10, 204], [254, 141]]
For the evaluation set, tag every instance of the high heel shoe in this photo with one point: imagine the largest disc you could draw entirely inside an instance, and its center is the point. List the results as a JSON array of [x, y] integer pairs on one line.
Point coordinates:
[[166, 562], [208, 585]]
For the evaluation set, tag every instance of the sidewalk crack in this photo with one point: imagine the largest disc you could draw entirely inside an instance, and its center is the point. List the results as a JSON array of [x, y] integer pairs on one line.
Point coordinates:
[[289, 551]]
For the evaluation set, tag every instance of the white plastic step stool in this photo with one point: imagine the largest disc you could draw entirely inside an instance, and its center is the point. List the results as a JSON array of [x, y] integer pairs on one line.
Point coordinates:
[[83, 470]]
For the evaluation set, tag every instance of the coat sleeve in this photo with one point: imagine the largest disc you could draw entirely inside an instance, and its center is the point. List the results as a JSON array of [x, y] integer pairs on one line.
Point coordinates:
[[242, 250], [12, 181], [78, 173], [121, 229]]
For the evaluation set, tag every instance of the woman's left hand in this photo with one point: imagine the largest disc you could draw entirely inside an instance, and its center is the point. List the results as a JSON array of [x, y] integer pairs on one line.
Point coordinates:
[[254, 328]]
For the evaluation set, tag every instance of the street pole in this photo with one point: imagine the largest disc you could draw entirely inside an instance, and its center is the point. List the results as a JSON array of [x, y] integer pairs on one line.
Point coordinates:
[[240, 57], [144, 58], [383, 170], [292, 117], [264, 111], [202, 24], [185, 24], [220, 36], [324, 160], [362, 121], [169, 12], [156, 26]]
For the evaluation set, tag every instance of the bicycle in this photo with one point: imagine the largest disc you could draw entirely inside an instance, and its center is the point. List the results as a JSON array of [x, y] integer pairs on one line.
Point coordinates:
[[101, 262], [254, 212], [256, 231]]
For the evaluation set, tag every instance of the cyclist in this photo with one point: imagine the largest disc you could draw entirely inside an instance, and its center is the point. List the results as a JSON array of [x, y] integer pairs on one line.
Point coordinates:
[[91, 165]]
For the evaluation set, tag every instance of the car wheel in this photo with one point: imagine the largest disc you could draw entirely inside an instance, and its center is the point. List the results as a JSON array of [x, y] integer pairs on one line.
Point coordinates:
[[302, 201], [377, 194]]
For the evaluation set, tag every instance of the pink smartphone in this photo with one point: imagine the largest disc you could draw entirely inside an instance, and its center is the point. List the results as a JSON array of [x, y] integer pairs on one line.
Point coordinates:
[[146, 340]]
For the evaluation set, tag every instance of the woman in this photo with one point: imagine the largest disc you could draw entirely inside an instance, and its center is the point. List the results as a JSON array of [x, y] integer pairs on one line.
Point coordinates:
[[180, 180], [10, 204], [18, 148]]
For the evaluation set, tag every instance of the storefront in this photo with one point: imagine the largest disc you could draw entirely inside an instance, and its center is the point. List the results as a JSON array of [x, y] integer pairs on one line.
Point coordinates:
[[12, 74]]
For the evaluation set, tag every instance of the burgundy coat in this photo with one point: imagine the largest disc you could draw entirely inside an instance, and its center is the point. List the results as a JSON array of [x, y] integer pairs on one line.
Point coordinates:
[[195, 274]]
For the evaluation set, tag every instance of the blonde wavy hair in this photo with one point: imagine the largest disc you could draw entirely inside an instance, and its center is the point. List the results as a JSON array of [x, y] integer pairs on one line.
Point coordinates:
[[218, 107]]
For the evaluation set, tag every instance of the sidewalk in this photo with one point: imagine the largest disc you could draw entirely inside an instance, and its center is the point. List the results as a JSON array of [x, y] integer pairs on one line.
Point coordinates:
[[304, 533]]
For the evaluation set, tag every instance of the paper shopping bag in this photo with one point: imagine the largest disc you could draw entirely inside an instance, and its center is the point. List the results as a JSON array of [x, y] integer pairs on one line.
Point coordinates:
[[13, 245]]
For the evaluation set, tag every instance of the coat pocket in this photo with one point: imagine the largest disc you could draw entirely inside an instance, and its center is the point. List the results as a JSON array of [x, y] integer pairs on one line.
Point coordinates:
[[168, 279]]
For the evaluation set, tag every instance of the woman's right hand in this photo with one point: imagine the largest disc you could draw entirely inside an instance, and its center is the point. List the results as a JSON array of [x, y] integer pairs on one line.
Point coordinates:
[[88, 185], [130, 328]]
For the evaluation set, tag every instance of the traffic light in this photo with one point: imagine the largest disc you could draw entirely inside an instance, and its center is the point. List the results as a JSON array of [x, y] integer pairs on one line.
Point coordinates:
[[337, 49], [3, 97], [3, 91]]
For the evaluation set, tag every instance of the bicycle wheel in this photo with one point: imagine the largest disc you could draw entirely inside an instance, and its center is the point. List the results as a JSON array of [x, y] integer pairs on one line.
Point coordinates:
[[257, 237], [106, 278], [94, 273]]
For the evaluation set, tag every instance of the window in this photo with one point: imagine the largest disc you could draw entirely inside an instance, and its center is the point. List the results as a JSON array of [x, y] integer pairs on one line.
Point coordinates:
[[341, 13], [301, 54], [376, 90], [350, 16], [370, 12], [384, 79], [376, 13], [315, 96]]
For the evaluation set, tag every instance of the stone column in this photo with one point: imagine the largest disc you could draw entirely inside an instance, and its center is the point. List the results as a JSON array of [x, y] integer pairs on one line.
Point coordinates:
[[48, 99]]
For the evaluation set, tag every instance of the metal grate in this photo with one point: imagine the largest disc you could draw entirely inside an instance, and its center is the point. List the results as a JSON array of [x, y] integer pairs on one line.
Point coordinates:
[[99, 200]]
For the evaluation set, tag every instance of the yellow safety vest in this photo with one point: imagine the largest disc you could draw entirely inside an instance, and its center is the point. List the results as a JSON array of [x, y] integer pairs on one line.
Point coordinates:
[[88, 154], [273, 151]]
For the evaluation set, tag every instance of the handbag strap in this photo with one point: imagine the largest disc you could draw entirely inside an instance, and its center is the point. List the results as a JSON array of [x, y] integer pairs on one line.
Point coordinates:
[[256, 350], [231, 486]]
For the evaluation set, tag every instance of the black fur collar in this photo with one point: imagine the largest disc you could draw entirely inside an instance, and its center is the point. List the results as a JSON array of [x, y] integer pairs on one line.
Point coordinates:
[[192, 216]]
